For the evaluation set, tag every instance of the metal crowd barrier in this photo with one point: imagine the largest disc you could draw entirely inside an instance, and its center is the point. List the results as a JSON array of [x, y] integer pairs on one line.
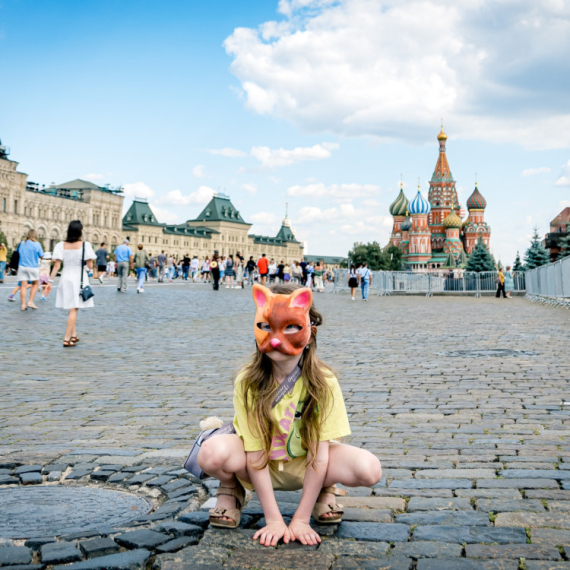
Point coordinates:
[[440, 282], [550, 284]]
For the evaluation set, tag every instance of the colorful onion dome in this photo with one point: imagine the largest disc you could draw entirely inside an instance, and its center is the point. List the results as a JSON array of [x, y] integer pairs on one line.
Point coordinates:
[[452, 221], [419, 205], [399, 206], [476, 201], [406, 224], [442, 136]]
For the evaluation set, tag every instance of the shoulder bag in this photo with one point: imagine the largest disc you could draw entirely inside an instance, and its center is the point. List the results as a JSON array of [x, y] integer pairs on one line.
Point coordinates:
[[84, 292], [191, 464]]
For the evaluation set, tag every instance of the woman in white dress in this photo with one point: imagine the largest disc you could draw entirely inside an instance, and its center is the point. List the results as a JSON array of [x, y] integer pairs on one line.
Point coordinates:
[[69, 252]]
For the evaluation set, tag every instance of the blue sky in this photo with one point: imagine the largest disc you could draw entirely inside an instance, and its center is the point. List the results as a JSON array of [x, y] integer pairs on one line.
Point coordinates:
[[319, 103]]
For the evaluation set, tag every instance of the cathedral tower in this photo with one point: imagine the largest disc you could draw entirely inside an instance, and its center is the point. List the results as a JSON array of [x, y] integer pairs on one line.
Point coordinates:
[[398, 209], [475, 225], [419, 234]]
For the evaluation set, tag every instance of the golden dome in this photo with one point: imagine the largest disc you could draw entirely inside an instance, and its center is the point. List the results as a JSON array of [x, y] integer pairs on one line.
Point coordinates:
[[452, 221], [442, 136]]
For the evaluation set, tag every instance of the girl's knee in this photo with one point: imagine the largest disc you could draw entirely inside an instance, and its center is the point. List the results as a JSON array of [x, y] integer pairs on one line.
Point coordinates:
[[212, 455], [369, 471]]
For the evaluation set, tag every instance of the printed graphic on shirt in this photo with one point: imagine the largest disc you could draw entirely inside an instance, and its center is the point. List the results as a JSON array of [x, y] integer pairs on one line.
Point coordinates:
[[287, 444]]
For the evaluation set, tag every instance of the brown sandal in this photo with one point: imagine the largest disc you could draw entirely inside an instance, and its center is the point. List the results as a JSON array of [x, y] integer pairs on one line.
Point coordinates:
[[321, 509], [74, 339], [68, 343], [235, 514]]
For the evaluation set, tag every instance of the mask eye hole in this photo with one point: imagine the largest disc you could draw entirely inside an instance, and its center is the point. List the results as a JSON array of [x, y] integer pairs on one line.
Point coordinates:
[[263, 327], [291, 329]]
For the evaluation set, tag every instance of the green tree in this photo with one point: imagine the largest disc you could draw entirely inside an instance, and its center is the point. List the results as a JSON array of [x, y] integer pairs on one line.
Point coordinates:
[[518, 266], [536, 255], [480, 258], [370, 253]]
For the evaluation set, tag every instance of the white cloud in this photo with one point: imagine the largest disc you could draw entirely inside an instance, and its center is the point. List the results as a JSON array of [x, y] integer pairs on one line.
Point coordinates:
[[175, 198], [199, 170], [138, 190], [564, 179], [165, 216], [533, 171], [251, 188], [271, 158], [342, 191], [93, 176], [227, 152], [391, 69]]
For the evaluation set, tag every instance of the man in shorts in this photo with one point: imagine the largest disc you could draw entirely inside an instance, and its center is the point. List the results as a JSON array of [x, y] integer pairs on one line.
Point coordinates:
[[102, 258], [262, 267]]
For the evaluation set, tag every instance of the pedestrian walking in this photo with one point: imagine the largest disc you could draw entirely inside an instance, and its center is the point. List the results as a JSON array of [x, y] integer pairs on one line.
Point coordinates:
[[509, 282], [215, 270], [76, 256], [365, 277], [240, 262], [151, 266], [30, 252], [272, 270], [102, 258], [500, 281], [250, 269], [206, 270], [161, 260], [318, 277], [352, 280], [262, 266], [194, 266], [303, 265], [230, 272], [287, 273], [3, 259], [310, 272], [45, 267], [124, 258], [140, 263], [280, 274]]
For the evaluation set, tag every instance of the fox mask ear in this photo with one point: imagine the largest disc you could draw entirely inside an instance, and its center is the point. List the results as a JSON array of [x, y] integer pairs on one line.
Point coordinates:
[[261, 295], [302, 298]]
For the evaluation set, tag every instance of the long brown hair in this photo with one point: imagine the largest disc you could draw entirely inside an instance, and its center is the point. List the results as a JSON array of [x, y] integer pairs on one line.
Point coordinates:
[[258, 390]]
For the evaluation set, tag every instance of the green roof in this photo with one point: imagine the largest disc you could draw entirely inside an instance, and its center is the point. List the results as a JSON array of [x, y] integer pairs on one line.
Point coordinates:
[[286, 234], [220, 209], [140, 213], [328, 259], [79, 184]]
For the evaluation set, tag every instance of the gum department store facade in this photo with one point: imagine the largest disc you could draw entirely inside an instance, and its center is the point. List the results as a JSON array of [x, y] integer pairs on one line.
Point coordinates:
[[25, 205]]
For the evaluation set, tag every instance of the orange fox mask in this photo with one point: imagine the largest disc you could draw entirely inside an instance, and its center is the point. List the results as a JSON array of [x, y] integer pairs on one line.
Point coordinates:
[[282, 321]]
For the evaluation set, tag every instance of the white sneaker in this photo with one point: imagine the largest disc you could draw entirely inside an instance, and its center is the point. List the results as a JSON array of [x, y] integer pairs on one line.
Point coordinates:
[[353, 298], [101, 280], [227, 286], [138, 289], [141, 291]]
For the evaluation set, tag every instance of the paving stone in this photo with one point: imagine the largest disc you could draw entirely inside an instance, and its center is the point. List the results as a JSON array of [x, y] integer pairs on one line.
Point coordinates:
[[550, 536], [101, 475], [178, 529], [77, 474], [502, 506], [176, 484], [99, 547], [159, 481], [534, 474], [177, 544], [27, 469], [118, 477], [237, 538], [54, 467], [343, 547], [449, 518], [425, 504], [12, 555], [470, 535], [53, 476], [559, 506], [35, 543], [392, 503], [26, 567], [517, 484], [431, 484], [279, 560], [528, 551], [198, 518], [548, 494], [533, 520], [141, 539], [542, 565], [456, 474], [428, 549], [31, 478], [489, 493], [139, 479], [8, 480], [383, 563], [367, 515], [429, 493], [59, 553], [183, 492], [373, 531], [133, 560], [466, 564], [193, 557]]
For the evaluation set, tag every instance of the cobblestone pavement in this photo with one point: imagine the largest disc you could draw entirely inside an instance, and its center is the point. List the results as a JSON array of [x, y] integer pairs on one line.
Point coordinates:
[[460, 398]]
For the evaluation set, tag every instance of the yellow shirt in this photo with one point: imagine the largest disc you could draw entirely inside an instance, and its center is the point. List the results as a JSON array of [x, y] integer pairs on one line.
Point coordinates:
[[286, 443], [3, 253]]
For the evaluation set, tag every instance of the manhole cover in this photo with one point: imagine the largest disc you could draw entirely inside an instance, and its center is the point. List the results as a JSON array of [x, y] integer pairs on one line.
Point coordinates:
[[484, 353], [51, 511]]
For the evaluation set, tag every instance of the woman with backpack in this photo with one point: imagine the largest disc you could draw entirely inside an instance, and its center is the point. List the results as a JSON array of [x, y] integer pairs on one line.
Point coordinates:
[[29, 252]]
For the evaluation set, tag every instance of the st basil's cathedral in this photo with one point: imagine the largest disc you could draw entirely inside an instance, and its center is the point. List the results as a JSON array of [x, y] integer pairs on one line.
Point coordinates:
[[431, 233]]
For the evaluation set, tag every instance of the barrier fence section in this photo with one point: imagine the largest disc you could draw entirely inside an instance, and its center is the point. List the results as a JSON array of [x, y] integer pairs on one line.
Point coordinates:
[[454, 282], [550, 284]]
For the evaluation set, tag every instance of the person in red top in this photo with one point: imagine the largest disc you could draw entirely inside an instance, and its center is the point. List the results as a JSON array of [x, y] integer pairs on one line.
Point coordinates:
[[262, 266]]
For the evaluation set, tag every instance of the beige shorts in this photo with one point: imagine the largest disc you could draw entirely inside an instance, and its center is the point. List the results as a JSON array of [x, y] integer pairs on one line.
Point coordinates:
[[286, 475], [28, 273]]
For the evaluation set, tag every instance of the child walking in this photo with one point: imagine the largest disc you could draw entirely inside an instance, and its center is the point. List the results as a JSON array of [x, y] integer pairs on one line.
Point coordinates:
[[290, 444]]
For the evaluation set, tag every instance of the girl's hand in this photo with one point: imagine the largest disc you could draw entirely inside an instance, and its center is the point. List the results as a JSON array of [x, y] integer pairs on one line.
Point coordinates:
[[270, 534], [303, 532]]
